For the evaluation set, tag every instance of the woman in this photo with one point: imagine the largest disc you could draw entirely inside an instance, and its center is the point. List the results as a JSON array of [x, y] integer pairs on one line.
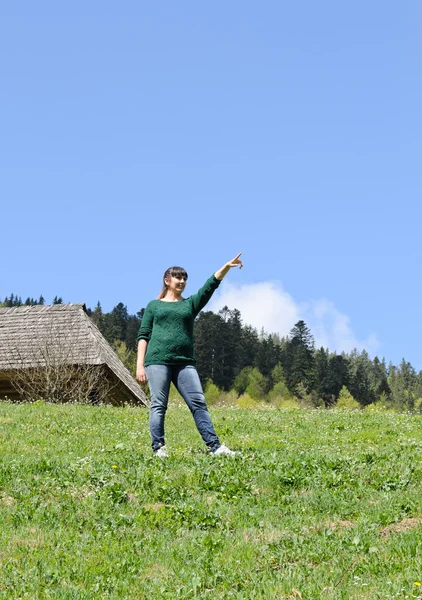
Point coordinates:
[[166, 354]]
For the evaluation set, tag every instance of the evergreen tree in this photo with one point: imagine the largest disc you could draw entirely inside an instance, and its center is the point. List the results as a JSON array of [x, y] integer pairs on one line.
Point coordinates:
[[12, 301], [132, 330], [403, 383], [29, 302], [206, 332], [218, 346], [280, 389], [267, 356], [98, 317], [331, 374], [418, 385], [298, 360], [321, 371], [249, 346], [227, 351], [229, 354], [338, 375], [378, 381], [115, 323], [360, 377]]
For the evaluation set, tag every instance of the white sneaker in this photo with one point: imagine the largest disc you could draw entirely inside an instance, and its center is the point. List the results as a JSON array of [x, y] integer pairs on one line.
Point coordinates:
[[161, 452], [224, 450]]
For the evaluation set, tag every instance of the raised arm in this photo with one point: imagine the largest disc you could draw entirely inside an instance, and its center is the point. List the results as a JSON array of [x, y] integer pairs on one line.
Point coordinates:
[[203, 295], [235, 262]]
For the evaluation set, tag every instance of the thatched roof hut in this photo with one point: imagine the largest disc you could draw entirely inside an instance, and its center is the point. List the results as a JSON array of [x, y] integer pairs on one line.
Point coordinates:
[[35, 337]]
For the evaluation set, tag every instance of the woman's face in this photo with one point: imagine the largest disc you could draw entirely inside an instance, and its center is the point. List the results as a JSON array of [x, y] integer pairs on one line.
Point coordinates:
[[176, 283]]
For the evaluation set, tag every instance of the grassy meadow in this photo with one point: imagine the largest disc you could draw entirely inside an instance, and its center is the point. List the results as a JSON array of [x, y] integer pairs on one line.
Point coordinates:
[[318, 505]]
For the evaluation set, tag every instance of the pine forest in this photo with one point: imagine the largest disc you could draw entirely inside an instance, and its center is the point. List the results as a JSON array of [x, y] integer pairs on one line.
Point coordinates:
[[241, 366]]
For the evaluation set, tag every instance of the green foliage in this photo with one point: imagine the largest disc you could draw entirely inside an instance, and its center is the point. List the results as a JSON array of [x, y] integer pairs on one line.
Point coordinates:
[[251, 382], [279, 390], [218, 346], [237, 360], [381, 405], [404, 386], [346, 400], [128, 357], [277, 374], [98, 317], [246, 401], [132, 328], [207, 329], [241, 382], [212, 393], [284, 402], [267, 357], [256, 385], [299, 357], [228, 398], [280, 395], [11, 301], [331, 372], [115, 323], [307, 399], [377, 407]]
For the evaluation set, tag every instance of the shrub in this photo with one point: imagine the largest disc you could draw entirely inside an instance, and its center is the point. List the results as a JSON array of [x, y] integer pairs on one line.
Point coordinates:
[[246, 401], [307, 399], [418, 405], [346, 400], [227, 398], [250, 381], [62, 383], [381, 405], [283, 402], [279, 390], [212, 393]]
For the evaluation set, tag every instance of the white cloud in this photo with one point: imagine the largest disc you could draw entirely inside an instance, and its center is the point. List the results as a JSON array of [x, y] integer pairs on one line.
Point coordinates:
[[268, 305], [333, 330]]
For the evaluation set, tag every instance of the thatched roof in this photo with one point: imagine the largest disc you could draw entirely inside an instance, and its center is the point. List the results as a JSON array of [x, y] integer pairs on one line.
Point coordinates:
[[30, 336]]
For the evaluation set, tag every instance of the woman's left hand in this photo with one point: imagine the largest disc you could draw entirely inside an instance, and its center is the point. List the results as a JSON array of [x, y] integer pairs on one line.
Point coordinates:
[[235, 262]]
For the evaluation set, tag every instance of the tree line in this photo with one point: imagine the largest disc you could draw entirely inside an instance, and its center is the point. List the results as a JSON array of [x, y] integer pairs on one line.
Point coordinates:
[[235, 360]]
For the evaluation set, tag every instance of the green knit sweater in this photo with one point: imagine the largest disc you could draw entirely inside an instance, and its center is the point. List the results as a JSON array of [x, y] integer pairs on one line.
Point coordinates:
[[168, 327]]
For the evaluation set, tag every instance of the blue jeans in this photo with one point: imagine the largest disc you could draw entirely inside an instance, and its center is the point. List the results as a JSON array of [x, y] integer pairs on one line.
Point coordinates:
[[187, 383]]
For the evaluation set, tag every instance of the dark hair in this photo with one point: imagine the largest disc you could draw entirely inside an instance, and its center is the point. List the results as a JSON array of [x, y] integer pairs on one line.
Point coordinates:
[[171, 272]]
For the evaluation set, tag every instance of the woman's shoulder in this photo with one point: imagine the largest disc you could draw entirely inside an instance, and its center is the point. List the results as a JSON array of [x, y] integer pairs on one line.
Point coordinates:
[[151, 304]]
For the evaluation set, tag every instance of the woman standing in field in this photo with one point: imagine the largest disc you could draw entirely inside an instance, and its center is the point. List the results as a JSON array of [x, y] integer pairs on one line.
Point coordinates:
[[166, 354]]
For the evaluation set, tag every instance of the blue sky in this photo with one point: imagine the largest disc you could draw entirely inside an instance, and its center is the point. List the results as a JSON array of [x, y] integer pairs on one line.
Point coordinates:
[[136, 136]]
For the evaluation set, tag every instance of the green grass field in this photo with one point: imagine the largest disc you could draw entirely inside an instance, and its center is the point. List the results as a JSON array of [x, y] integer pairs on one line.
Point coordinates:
[[320, 504]]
